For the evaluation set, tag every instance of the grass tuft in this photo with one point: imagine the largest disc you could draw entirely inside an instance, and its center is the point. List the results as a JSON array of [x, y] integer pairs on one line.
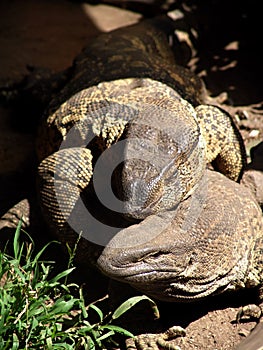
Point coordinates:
[[39, 312]]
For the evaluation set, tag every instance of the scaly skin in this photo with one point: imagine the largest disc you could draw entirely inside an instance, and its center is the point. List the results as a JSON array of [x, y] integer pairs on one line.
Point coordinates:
[[126, 86], [173, 256], [126, 89]]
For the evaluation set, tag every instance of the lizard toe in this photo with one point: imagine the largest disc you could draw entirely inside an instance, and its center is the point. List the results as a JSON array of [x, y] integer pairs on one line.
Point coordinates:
[[250, 311], [156, 341]]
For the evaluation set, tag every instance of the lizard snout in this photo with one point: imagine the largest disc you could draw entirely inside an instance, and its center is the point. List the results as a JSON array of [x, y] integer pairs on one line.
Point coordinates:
[[142, 198]]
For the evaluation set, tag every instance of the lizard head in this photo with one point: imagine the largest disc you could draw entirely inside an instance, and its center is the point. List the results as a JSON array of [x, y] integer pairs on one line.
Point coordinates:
[[163, 160], [200, 248]]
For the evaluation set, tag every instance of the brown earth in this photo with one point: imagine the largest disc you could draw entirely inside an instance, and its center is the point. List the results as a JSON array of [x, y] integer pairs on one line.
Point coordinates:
[[47, 33]]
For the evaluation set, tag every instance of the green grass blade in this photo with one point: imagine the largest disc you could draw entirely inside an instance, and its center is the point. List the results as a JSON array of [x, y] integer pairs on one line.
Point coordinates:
[[82, 304], [41, 313], [105, 336], [38, 255], [117, 329], [62, 306], [98, 310], [61, 275], [128, 304], [16, 244], [15, 342]]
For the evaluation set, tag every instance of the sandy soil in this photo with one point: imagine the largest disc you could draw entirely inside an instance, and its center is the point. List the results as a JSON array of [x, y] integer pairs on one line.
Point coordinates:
[[49, 34]]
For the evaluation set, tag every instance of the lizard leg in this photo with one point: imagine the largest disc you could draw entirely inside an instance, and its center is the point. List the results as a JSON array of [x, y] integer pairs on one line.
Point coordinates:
[[61, 178], [156, 341], [225, 148], [249, 311], [252, 311]]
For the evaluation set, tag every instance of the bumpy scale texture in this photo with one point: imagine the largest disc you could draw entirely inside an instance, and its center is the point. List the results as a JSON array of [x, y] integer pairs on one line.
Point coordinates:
[[125, 85], [123, 150], [131, 120]]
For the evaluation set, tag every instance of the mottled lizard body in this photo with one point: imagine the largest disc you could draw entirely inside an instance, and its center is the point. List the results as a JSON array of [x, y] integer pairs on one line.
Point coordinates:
[[132, 128], [126, 91]]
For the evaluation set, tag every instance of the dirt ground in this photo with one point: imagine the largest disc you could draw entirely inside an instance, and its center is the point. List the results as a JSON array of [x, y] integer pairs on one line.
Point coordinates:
[[222, 50]]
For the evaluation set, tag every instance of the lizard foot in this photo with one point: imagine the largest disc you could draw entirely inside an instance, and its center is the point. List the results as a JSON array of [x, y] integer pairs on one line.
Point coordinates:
[[156, 341], [249, 311]]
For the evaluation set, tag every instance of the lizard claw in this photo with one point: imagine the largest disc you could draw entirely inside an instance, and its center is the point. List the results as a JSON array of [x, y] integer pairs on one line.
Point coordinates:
[[156, 341], [171, 333], [249, 311]]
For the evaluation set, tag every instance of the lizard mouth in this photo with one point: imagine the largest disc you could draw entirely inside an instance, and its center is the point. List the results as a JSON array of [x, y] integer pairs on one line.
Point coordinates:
[[165, 284], [135, 264]]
